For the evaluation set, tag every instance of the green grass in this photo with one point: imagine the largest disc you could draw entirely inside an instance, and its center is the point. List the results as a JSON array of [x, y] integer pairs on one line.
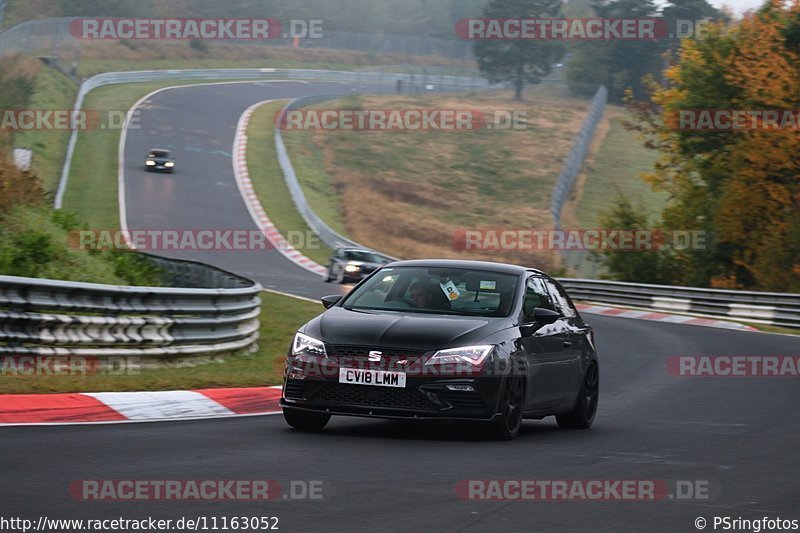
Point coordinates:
[[92, 189], [617, 168], [316, 182], [90, 67], [262, 368], [268, 182], [52, 90]]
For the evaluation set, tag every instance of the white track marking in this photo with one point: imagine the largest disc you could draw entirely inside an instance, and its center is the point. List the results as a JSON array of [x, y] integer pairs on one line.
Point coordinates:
[[252, 202], [166, 405], [123, 216]]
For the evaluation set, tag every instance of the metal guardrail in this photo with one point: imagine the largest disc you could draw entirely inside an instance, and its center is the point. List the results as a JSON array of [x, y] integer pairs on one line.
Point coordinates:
[[358, 78], [779, 309], [326, 234], [203, 311]]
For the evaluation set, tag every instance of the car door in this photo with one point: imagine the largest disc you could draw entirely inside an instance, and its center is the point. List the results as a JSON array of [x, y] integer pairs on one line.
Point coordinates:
[[544, 349], [575, 332]]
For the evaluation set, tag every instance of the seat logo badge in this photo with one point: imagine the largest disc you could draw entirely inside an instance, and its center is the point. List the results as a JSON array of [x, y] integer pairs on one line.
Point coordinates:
[[375, 356]]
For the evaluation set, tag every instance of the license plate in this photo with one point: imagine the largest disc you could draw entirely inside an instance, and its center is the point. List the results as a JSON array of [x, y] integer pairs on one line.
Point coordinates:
[[381, 378]]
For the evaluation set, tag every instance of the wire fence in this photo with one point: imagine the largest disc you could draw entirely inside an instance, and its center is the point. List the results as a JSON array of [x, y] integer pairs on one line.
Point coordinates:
[[572, 169], [53, 37]]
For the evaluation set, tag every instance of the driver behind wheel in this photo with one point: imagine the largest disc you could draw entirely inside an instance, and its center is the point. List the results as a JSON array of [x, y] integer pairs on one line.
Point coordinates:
[[426, 296]]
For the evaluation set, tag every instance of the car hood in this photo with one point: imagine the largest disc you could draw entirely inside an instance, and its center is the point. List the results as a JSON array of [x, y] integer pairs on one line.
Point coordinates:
[[393, 330]]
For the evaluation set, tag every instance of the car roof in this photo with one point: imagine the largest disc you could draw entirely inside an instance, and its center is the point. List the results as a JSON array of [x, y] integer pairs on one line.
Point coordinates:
[[358, 250], [159, 150], [503, 268]]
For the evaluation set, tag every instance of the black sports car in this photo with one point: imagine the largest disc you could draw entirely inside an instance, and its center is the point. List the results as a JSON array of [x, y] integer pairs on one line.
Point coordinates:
[[445, 339], [354, 264], [159, 159]]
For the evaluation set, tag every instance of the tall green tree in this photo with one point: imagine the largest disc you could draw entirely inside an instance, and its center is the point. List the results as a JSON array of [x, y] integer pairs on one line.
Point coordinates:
[[623, 65], [741, 186], [617, 64], [523, 61]]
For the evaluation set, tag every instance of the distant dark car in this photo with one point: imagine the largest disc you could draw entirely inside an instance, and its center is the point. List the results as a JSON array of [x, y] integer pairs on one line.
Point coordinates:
[[354, 264], [159, 160], [445, 339]]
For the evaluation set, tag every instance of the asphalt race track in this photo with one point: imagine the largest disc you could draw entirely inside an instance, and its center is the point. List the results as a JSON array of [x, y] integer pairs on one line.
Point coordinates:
[[198, 125], [739, 436]]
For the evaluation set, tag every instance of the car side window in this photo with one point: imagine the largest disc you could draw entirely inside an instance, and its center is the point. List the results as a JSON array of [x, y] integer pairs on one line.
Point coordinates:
[[536, 295], [561, 300]]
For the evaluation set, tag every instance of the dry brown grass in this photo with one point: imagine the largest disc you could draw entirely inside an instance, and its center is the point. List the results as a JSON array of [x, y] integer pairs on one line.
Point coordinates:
[[139, 51], [407, 193]]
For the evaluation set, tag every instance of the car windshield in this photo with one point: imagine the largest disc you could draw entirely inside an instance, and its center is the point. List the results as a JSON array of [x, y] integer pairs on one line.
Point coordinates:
[[438, 290], [367, 257], [158, 153]]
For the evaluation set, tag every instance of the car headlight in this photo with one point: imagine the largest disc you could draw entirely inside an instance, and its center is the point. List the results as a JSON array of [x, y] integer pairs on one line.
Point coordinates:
[[169, 164], [473, 355], [352, 268], [305, 345], [150, 163]]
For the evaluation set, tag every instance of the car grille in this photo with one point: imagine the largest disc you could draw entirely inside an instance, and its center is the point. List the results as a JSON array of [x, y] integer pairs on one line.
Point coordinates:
[[363, 351], [463, 401], [389, 397], [297, 389], [359, 356]]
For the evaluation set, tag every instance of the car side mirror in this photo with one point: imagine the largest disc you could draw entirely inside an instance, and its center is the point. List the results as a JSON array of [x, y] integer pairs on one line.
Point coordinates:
[[541, 317], [330, 301], [544, 316]]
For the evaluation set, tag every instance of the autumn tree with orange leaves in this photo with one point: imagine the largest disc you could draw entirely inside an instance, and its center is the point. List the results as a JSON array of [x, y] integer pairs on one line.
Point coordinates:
[[742, 186]]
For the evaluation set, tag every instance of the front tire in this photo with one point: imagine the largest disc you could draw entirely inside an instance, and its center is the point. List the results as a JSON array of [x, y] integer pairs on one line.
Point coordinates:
[[507, 426], [582, 416], [305, 420]]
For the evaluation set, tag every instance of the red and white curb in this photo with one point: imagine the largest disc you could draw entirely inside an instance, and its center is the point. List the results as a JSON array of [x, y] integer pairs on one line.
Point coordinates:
[[661, 317], [119, 407], [254, 206]]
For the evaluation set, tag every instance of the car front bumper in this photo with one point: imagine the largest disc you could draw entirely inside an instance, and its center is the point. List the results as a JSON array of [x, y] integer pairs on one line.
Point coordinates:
[[421, 398]]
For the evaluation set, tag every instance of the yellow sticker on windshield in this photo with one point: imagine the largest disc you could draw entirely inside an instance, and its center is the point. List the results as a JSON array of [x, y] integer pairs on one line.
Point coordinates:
[[450, 290]]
